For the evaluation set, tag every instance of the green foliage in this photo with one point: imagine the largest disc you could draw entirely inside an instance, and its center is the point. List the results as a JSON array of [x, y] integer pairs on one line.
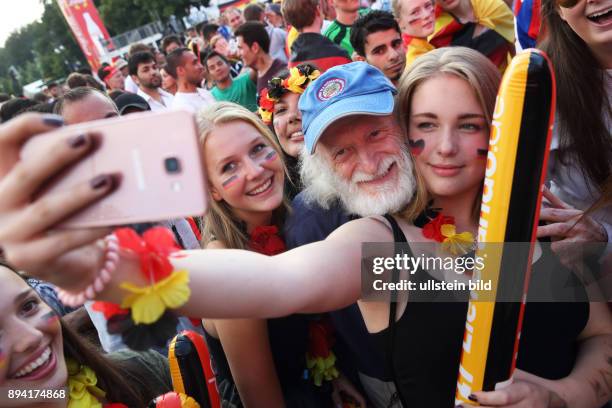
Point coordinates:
[[46, 49], [121, 15], [41, 50]]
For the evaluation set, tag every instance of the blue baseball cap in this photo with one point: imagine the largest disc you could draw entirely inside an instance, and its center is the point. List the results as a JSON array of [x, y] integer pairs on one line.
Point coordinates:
[[350, 89]]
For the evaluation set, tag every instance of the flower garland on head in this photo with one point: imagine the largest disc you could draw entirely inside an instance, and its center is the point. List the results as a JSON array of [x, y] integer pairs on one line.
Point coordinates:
[[297, 81], [442, 229]]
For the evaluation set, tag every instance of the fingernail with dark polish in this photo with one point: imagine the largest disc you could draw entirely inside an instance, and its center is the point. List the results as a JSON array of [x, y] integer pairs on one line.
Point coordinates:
[[78, 141], [101, 181], [473, 397], [53, 120]]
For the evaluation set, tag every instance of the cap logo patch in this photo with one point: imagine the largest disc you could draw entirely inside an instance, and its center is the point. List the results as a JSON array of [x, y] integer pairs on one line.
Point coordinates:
[[330, 88]]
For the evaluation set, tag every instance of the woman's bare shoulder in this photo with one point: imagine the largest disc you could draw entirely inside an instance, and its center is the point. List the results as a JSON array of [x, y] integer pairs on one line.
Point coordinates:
[[369, 229]]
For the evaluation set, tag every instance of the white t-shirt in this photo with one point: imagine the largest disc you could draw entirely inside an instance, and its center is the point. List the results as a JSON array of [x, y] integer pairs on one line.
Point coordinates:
[[192, 102], [130, 85], [166, 102]]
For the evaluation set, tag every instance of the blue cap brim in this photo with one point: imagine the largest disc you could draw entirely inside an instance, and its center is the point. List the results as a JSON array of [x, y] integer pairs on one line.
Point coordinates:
[[377, 104]]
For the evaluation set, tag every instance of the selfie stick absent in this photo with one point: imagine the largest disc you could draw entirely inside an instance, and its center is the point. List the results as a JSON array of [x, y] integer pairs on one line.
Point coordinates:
[[512, 194]]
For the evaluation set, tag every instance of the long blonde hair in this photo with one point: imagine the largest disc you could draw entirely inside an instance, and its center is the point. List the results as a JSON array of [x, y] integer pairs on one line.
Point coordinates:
[[220, 223], [473, 67]]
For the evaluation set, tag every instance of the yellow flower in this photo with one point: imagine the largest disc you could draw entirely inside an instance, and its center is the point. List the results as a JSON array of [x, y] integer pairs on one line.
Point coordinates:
[[322, 368], [295, 81], [150, 302], [457, 244], [83, 392], [188, 402], [314, 75], [265, 115]]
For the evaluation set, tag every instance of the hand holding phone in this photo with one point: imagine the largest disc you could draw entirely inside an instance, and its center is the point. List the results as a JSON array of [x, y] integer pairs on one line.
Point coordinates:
[[158, 158]]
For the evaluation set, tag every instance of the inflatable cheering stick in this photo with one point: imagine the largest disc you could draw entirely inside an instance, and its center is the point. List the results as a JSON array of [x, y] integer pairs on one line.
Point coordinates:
[[512, 194], [190, 368], [173, 400]]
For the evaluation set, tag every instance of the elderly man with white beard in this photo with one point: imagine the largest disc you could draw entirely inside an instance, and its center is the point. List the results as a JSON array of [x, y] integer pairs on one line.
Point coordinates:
[[354, 164]]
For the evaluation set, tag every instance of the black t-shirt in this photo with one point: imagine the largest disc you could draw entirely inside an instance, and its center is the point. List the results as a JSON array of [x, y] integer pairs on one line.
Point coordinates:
[[276, 67], [423, 348]]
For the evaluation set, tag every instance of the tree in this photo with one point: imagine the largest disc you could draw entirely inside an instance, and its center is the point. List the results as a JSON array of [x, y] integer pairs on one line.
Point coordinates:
[[122, 15], [40, 50], [46, 49]]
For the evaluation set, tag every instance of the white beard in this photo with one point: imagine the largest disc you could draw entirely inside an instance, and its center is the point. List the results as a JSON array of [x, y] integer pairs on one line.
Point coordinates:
[[323, 186]]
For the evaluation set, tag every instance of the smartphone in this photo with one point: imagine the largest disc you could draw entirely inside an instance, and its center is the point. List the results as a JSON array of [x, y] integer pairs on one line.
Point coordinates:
[[158, 157]]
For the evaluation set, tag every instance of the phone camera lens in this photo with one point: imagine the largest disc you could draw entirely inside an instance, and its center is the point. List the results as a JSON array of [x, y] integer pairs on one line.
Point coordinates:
[[172, 165]]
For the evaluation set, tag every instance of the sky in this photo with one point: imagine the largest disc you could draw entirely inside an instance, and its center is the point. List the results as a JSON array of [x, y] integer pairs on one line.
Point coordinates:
[[16, 14]]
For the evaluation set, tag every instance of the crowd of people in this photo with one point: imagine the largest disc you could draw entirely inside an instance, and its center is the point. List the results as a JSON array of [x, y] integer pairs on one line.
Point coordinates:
[[323, 125]]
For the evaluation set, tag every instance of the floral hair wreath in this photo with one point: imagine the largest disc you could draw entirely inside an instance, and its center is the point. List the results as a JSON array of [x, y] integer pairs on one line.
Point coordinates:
[[297, 81]]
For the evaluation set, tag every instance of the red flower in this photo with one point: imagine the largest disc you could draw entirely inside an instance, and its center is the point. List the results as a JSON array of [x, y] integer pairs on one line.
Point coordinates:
[[264, 100], [320, 338], [153, 250], [432, 229], [115, 405], [108, 309], [265, 240]]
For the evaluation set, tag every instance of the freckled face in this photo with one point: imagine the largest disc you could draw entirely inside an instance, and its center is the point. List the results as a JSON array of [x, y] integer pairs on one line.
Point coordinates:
[[31, 346], [448, 136], [244, 170]]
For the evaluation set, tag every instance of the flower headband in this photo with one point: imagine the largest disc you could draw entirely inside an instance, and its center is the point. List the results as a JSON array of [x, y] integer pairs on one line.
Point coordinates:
[[297, 81]]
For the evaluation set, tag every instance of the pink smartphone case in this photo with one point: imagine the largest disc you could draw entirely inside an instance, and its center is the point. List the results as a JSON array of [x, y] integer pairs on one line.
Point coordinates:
[[136, 147]]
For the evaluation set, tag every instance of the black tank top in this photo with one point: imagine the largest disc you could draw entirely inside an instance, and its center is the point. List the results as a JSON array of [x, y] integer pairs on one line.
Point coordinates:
[[423, 347]]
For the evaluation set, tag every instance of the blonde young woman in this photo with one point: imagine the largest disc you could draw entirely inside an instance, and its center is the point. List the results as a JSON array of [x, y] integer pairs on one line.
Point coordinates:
[[259, 363], [447, 99]]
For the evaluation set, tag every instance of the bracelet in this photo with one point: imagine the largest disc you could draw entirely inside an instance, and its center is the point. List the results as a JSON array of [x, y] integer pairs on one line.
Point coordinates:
[[111, 258], [167, 289]]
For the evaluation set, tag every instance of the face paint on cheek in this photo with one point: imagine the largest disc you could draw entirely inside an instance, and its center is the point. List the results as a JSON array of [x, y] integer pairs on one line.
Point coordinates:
[[416, 146], [229, 182], [482, 153], [50, 318], [270, 156], [2, 359]]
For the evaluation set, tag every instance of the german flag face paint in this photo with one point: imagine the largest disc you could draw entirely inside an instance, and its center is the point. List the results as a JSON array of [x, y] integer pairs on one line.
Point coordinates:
[[271, 156], [230, 181], [50, 318], [2, 359], [416, 146]]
